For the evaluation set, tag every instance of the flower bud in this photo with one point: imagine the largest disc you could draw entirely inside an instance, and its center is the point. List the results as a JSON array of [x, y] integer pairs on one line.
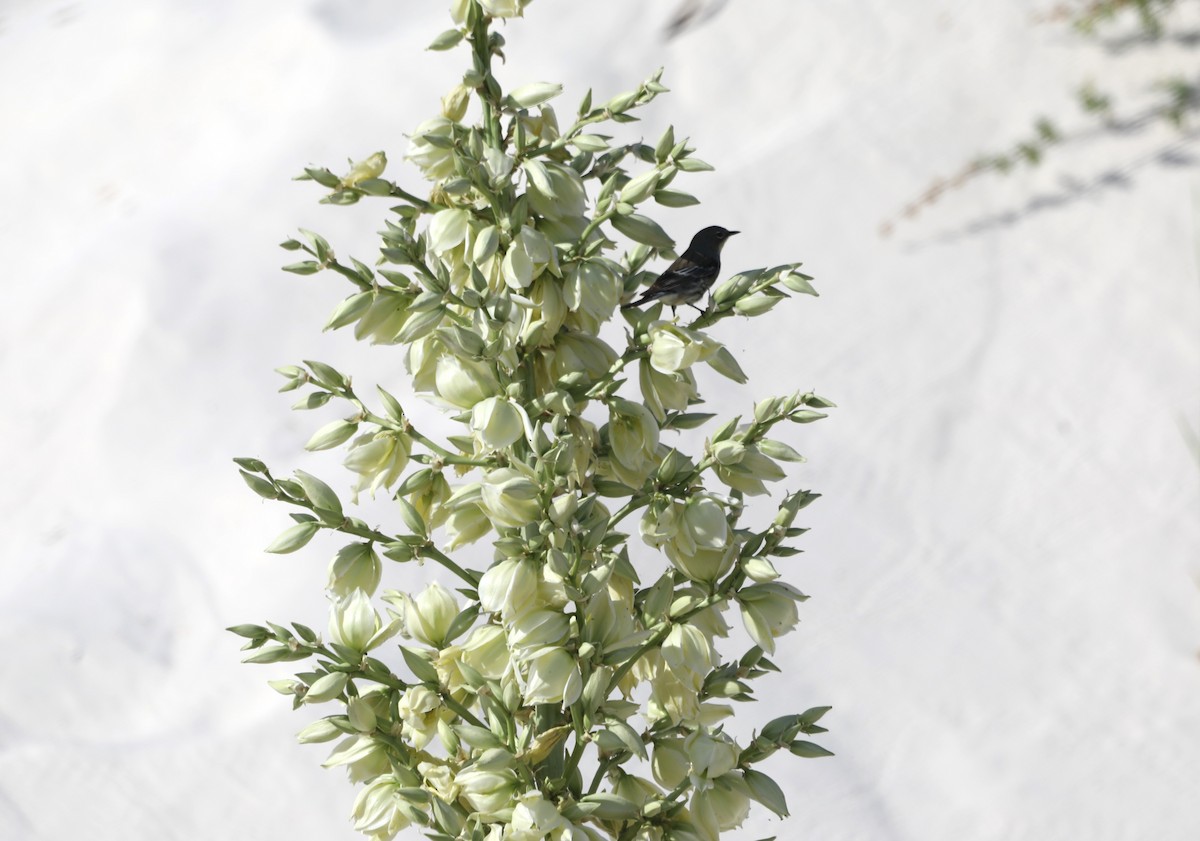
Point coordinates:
[[454, 104], [355, 567], [326, 687]]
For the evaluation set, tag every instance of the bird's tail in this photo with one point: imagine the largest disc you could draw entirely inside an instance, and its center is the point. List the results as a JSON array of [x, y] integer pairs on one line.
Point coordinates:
[[636, 302]]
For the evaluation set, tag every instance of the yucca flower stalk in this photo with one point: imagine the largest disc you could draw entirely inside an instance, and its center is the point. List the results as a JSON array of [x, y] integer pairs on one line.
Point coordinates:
[[570, 690]]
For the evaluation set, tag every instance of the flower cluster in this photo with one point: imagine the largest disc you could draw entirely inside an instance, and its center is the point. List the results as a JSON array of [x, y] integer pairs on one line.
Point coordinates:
[[575, 689]]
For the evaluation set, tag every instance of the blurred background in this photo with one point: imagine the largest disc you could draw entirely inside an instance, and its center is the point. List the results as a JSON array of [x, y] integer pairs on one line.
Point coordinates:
[[1004, 573]]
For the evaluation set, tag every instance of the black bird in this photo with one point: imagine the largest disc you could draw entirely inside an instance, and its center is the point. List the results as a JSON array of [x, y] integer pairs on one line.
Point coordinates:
[[689, 277]]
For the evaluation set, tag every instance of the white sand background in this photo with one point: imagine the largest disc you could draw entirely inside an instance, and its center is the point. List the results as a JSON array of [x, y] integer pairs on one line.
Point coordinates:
[[1005, 611]]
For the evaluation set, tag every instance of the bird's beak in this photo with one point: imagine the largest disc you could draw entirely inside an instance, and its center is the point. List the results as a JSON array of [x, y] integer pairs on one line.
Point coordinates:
[[731, 233]]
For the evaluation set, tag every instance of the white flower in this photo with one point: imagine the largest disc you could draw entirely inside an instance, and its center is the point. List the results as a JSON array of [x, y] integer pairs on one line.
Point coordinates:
[[666, 392], [553, 677], [633, 441], [769, 611], [528, 256], [380, 810], [702, 545], [426, 618], [464, 382], [354, 623], [688, 653], [378, 460], [566, 197], [510, 498], [419, 709], [497, 422], [534, 817], [502, 8], [711, 755], [488, 790], [448, 229], [509, 588], [355, 567], [435, 162], [674, 348]]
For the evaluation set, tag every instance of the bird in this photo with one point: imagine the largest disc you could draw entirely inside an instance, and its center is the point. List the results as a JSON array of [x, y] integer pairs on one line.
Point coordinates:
[[689, 277]]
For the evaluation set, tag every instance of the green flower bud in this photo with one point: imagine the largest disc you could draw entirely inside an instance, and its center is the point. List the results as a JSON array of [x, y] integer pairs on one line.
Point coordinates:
[[326, 688], [331, 435]]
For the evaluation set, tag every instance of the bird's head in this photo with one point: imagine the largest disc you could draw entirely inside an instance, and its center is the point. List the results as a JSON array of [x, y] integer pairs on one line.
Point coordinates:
[[711, 239]]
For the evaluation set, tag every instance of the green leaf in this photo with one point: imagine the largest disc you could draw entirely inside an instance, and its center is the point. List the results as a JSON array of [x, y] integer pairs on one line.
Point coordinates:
[[390, 405], [331, 435], [687, 420], [349, 310], [293, 538], [766, 791], [674, 198], [327, 375], [643, 229], [321, 175], [419, 666], [259, 485], [303, 267], [447, 40], [779, 450], [249, 631], [808, 750], [693, 165], [315, 400], [318, 493], [411, 518], [723, 363], [799, 283], [609, 807], [813, 715], [251, 464], [276, 654]]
